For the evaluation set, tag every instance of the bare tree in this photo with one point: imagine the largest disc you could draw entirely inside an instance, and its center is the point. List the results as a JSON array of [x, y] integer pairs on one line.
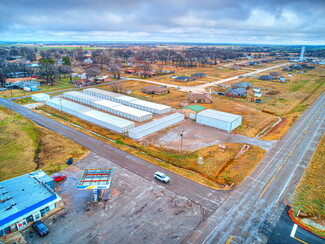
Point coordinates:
[[49, 71], [116, 87], [92, 72], [145, 69]]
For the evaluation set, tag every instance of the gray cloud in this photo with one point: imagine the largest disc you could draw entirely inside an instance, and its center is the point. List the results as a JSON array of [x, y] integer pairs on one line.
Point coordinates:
[[258, 21]]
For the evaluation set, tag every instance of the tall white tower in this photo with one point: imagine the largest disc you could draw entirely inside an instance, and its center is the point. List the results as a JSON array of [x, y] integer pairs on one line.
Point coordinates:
[[301, 58]]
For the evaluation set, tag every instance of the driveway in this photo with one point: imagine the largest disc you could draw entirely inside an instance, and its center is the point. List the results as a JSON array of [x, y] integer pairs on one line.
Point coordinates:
[[139, 210]]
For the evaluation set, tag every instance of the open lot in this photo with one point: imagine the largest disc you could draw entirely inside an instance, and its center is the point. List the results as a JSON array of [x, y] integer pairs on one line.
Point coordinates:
[[287, 100], [25, 147], [139, 211]]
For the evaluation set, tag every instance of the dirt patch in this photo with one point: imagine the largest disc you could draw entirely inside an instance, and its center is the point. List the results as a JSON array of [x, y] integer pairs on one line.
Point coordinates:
[[197, 136]]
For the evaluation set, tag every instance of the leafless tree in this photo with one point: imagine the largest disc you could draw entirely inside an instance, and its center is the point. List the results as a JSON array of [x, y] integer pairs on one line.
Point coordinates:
[[145, 69], [92, 72]]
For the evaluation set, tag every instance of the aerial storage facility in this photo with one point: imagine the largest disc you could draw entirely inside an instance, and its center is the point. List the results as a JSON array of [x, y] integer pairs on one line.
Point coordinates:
[[129, 101], [220, 120], [156, 125], [91, 115], [109, 106]]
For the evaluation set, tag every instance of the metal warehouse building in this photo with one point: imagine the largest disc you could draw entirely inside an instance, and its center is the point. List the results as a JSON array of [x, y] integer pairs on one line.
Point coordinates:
[[220, 120], [109, 106], [91, 115], [156, 125], [40, 97], [129, 101], [25, 199]]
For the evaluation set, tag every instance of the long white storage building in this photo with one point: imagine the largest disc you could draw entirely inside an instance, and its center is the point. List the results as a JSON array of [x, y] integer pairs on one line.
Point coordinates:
[[91, 115], [109, 106], [129, 101], [156, 125], [218, 119]]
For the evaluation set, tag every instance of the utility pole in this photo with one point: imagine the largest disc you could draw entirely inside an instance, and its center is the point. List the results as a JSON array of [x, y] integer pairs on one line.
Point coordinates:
[[182, 134]]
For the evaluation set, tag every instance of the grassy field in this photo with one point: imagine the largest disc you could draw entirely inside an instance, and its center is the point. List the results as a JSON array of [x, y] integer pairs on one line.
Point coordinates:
[[26, 147], [211, 173], [62, 84], [287, 100], [309, 195]]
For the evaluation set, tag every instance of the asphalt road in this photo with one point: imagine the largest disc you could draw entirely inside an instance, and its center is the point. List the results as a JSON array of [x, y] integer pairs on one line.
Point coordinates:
[[253, 209], [285, 232], [209, 199]]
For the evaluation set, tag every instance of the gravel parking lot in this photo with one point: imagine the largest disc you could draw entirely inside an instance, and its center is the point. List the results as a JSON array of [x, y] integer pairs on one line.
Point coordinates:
[[139, 211], [198, 136]]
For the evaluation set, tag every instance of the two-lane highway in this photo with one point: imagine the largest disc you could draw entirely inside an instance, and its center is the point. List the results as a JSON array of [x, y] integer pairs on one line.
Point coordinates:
[[250, 212]]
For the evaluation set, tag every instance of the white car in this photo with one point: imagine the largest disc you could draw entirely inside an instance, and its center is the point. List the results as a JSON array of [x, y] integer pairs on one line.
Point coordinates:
[[162, 177]]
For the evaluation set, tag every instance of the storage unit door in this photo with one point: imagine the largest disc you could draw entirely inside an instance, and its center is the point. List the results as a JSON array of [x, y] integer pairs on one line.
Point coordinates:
[[192, 115]]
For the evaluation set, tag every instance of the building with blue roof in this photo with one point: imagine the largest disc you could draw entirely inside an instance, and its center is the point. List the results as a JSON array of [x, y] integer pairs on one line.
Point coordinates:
[[25, 199]]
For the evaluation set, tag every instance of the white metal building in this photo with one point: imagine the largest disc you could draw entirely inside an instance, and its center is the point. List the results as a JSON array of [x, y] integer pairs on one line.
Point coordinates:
[[41, 97], [155, 108], [109, 106], [129, 101], [218, 119], [91, 115], [156, 125]]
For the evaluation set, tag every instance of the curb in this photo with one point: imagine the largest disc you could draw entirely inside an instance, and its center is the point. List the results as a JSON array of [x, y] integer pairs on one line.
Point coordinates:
[[301, 225]]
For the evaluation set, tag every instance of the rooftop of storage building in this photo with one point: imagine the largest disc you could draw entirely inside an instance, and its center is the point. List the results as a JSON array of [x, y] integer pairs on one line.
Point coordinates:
[[103, 92], [107, 118], [150, 104], [68, 104], [220, 115], [83, 96]]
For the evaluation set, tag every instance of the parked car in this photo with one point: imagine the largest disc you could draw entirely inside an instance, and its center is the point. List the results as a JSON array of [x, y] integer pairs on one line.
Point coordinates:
[[162, 177], [220, 85], [221, 93], [59, 177], [41, 228]]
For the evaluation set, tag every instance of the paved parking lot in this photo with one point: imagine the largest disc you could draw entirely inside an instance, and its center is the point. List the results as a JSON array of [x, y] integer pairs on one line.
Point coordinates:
[[139, 211]]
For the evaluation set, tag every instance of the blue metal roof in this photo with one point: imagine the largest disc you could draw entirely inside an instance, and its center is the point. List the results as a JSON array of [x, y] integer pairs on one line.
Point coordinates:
[[21, 195]]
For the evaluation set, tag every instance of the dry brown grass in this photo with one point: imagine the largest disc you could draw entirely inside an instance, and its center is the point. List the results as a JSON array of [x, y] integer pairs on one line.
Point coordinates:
[[309, 195], [25, 147]]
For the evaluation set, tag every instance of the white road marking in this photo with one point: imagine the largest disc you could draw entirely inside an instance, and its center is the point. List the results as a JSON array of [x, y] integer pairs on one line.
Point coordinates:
[[294, 229], [299, 161]]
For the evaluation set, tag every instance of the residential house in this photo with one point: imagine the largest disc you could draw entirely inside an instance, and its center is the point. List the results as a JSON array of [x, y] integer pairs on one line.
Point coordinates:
[[243, 84], [184, 79], [236, 92], [266, 77], [199, 98], [155, 90], [199, 75]]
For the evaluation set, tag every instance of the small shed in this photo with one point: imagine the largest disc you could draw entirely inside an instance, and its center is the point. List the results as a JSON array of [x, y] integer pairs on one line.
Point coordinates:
[[256, 89], [41, 97], [192, 110], [218, 119], [258, 94]]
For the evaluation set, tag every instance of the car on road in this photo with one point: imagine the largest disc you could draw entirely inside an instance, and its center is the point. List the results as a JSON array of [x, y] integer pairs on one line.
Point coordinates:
[[41, 228], [220, 85], [162, 177], [59, 177]]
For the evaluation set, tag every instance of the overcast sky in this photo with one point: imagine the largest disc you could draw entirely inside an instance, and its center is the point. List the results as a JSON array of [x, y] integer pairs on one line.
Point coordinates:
[[218, 21]]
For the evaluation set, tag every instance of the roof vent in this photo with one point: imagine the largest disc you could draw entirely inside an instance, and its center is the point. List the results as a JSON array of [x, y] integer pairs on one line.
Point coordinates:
[[8, 208], [6, 199]]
